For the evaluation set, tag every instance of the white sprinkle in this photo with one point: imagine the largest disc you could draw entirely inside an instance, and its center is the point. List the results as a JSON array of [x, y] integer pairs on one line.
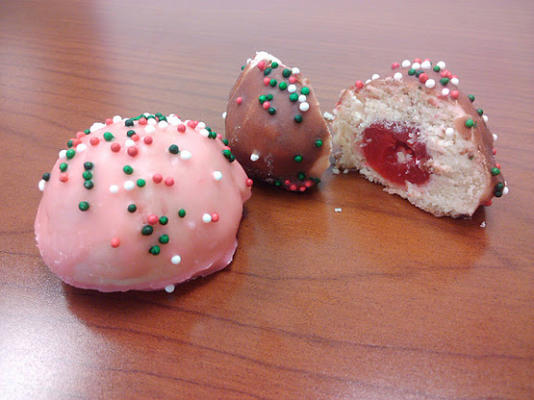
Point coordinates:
[[375, 76], [81, 147], [483, 224], [117, 118], [63, 154], [129, 185], [113, 188], [345, 171], [338, 209], [441, 64], [185, 155], [291, 88], [223, 115], [174, 120], [406, 63], [201, 125], [416, 65], [302, 98], [163, 124], [176, 259], [217, 175], [129, 143], [152, 121], [204, 132], [505, 191], [397, 76], [169, 288], [96, 126], [485, 118], [149, 128], [146, 114], [304, 107], [495, 137], [449, 132], [295, 71], [445, 91], [430, 83], [206, 218], [426, 64], [41, 185], [455, 81], [328, 116], [367, 81], [254, 157], [335, 171]]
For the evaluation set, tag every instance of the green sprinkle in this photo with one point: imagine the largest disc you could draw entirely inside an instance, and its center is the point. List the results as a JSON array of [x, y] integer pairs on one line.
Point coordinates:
[[272, 82], [138, 117], [225, 141], [301, 176], [163, 220], [128, 170], [181, 213], [497, 193], [277, 183], [141, 182], [411, 71], [69, 143], [71, 153], [130, 133], [163, 239], [88, 185], [83, 206], [471, 97], [242, 67], [262, 98], [154, 250], [267, 71], [318, 143], [269, 97], [316, 180], [499, 186], [162, 118], [129, 122], [274, 64], [272, 110], [108, 136], [282, 85], [293, 97], [46, 176], [147, 230], [63, 167], [231, 158], [298, 158], [469, 123], [444, 81], [495, 171], [286, 73], [87, 175], [419, 72], [305, 90], [298, 118], [88, 165], [87, 131], [173, 149], [436, 68], [132, 208], [212, 135], [480, 111]]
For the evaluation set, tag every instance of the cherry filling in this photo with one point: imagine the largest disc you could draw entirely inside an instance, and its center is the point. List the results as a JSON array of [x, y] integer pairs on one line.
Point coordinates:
[[392, 149]]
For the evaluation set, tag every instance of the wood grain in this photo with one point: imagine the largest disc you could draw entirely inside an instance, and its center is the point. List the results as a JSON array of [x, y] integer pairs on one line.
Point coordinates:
[[380, 301]]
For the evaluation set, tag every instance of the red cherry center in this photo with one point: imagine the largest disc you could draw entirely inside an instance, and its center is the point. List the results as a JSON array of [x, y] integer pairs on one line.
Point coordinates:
[[393, 150]]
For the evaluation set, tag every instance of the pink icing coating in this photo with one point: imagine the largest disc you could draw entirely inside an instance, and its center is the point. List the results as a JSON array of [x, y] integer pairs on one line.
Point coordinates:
[[77, 245]]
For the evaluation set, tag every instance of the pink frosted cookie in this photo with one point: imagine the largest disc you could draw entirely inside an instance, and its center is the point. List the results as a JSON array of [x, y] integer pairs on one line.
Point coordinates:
[[141, 203]]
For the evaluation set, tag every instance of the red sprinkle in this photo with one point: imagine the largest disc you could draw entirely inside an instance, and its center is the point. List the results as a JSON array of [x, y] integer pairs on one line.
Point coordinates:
[[249, 182], [115, 147], [455, 94], [147, 139], [498, 165], [132, 151], [239, 100], [487, 203], [266, 105], [293, 187], [63, 177], [142, 121], [80, 134], [417, 60], [109, 121], [169, 181], [395, 65], [423, 78], [308, 184], [94, 141], [157, 178], [135, 137], [261, 65], [266, 81], [192, 124], [76, 142], [219, 136], [152, 219], [181, 128], [302, 188], [287, 182], [292, 79], [359, 84], [214, 217], [115, 242], [494, 151]]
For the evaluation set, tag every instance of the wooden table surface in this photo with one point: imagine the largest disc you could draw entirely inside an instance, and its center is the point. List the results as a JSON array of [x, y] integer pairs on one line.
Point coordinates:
[[379, 301]]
